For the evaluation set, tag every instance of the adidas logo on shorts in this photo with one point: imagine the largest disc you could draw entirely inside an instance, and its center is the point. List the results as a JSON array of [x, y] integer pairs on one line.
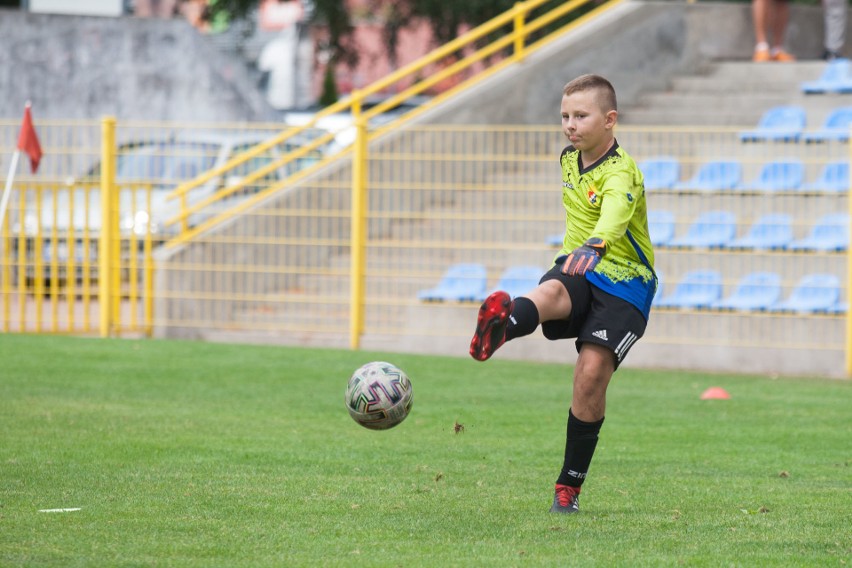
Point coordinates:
[[601, 334]]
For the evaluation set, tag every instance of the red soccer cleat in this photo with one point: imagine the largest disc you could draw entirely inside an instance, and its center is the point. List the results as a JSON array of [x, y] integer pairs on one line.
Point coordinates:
[[491, 324], [565, 500]]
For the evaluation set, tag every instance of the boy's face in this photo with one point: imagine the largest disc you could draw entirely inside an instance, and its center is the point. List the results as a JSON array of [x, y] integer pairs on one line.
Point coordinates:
[[584, 123]]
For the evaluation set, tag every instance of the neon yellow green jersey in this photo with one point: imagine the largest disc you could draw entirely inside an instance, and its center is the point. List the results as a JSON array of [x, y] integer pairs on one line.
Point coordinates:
[[607, 201]]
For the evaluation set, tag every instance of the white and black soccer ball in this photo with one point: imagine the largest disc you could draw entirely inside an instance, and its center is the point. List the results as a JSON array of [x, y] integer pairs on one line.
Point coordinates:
[[379, 395]]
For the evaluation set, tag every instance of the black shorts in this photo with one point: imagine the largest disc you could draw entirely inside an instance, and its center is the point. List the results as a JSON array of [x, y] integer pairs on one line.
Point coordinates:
[[596, 317]]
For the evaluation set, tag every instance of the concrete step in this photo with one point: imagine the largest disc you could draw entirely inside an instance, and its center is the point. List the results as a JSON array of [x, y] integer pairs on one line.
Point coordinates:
[[711, 101], [748, 74], [684, 113], [747, 103], [722, 86], [734, 94], [661, 116]]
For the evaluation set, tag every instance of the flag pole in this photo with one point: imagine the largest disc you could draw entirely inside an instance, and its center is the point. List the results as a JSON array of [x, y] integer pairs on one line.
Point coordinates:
[[27, 142], [7, 191]]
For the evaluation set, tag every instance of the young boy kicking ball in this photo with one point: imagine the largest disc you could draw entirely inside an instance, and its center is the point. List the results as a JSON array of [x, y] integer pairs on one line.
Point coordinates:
[[600, 287]]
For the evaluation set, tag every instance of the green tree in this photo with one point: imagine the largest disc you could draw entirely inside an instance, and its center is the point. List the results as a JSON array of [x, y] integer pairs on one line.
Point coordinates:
[[444, 17], [330, 13], [329, 88]]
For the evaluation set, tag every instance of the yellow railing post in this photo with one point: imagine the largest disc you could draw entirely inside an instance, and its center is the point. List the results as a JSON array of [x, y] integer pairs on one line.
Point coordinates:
[[105, 242], [7, 273], [184, 220], [848, 288], [38, 260], [148, 267], [71, 268], [115, 254], [518, 32], [22, 262], [358, 230]]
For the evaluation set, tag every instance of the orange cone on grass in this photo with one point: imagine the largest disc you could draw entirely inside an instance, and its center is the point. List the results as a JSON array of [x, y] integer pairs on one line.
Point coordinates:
[[715, 393]]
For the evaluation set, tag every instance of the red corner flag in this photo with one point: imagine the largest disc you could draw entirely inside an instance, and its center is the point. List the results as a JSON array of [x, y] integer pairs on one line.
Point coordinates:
[[28, 141]]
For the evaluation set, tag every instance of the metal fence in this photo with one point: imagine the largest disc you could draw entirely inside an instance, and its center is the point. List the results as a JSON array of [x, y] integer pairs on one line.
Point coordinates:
[[100, 205], [486, 200], [360, 249]]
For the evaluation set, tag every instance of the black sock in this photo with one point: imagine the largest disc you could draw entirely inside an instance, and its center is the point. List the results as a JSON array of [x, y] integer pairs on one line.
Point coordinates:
[[580, 445], [524, 318]]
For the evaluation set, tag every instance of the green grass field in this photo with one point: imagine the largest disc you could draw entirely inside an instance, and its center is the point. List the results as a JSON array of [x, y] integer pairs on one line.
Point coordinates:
[[199, 454]]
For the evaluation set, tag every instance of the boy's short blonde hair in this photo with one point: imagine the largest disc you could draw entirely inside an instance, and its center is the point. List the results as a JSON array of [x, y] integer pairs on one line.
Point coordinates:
[[605, 90]]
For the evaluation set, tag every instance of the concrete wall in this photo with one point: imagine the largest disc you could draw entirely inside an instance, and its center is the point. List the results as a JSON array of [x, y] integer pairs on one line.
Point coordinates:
[[132, 68], [639, 46], [137, 68]]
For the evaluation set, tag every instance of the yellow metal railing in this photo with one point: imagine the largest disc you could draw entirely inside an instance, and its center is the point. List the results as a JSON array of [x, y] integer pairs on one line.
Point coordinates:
[[106, 257], [359, 235], [79, 235], [440, 195], [301, 265], [848, 283], [514, 29], [291, 266]]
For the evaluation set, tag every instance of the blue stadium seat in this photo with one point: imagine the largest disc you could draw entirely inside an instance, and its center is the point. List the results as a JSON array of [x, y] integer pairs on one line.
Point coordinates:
[[518, 280], [836, 77], [829, 233], [556, 240], [461, 282], [661, 225], [833, 177], [813, 293], [781, 123], [711, 229], [697, 289], [754, 292], [660, 173], [839, 308], [771, 231], [779, 175], [836, 127], [715, 175]]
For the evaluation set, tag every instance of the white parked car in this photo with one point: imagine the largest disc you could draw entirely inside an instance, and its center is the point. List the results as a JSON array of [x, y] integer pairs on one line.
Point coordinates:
[[160, 165], [342, 124]]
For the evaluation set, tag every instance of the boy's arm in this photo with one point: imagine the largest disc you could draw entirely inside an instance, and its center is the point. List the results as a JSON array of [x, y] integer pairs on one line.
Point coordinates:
[[617, 208], [585, 257], [618, 203]]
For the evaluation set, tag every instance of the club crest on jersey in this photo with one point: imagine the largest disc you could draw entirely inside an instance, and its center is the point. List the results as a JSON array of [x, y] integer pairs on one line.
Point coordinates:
[[593, 197]]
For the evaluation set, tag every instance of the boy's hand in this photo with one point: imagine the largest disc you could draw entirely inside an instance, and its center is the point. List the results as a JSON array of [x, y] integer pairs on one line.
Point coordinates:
[[584, 258]]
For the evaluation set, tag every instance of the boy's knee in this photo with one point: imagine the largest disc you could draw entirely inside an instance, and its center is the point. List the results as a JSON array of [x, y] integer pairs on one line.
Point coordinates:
[[552, 330], [595, 364], [553, 303]]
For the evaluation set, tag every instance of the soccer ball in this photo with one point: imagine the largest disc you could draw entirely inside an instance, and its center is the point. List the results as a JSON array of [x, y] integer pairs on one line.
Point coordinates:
[[379, 395]]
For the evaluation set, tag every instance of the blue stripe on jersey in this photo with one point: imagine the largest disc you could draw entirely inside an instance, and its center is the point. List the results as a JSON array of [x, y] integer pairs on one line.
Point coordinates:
[[641, 254]]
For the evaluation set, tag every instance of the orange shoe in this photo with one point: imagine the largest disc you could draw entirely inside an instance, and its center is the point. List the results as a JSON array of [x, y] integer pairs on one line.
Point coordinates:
[[782, 56], [761, 55]]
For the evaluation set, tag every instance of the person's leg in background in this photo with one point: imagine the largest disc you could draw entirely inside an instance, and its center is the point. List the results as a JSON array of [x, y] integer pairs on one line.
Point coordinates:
[[835, 14]]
